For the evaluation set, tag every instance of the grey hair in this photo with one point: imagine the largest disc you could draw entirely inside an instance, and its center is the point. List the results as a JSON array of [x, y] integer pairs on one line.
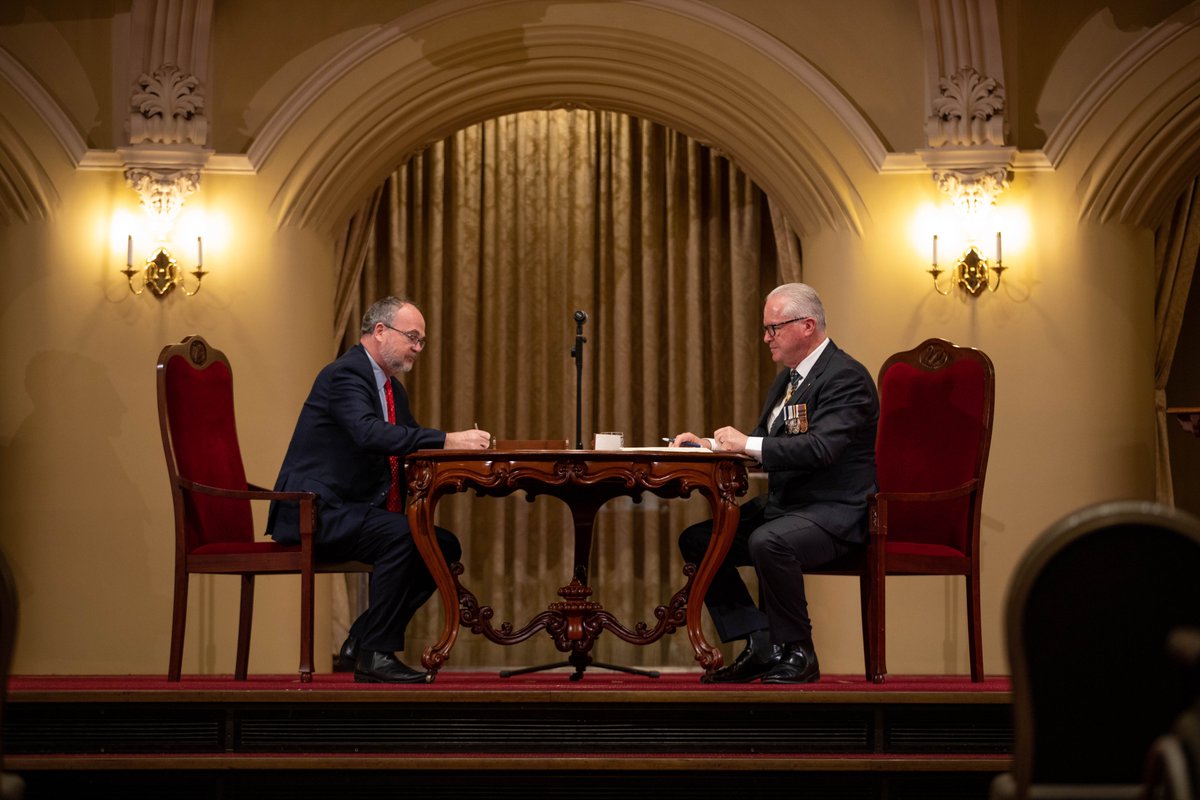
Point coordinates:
[[383, 311], [802, 301]]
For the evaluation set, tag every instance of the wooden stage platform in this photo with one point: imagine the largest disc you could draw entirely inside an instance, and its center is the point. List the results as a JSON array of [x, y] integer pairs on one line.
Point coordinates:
[[474, 734]]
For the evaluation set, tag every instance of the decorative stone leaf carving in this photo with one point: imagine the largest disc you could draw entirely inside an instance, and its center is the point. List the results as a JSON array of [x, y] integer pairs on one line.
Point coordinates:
[[167, 108], [973, 190], [970, 111], [163, 192]]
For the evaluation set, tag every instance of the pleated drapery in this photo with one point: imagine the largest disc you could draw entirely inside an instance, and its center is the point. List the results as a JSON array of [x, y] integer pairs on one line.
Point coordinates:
[[500, 233], [1176, 249]]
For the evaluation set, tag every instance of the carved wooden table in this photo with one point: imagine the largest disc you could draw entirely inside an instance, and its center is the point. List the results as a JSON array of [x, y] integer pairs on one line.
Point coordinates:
[[585, 480]]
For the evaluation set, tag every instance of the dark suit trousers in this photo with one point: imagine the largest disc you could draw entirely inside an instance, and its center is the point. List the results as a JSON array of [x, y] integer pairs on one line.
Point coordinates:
[[400, 581], [779, 549]]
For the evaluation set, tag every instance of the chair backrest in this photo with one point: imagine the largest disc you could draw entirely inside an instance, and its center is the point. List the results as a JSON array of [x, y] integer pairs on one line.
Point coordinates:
[[1089, 612], [195, 414], [935, 430]]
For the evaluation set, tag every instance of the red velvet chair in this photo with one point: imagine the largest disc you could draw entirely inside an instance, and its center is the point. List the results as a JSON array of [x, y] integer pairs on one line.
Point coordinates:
[[931, 451], [214, 525]]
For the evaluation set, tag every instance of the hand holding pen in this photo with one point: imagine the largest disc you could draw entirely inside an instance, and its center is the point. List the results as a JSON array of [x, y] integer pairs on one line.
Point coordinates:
[[684, 440]]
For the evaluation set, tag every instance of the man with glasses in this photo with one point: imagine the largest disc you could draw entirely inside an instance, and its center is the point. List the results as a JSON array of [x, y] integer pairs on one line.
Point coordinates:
[[349, 445], [815, 439]]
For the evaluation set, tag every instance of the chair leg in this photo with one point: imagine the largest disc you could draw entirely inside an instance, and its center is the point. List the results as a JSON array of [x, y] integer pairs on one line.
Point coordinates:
[[306, 624], [178, 624], [873, 602], [244, 623], [864, 602], [974, 629]]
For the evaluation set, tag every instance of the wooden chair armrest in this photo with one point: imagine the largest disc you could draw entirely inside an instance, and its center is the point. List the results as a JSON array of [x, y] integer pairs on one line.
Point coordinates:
[[878, 499], [925, 497], [307, 501], [252, 493]]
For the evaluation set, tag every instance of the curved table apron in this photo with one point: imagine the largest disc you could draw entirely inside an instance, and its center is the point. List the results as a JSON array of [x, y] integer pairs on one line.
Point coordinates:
[[585, 480]]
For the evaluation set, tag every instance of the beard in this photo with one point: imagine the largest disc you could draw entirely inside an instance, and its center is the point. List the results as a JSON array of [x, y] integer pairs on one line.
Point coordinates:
[[399, 362]]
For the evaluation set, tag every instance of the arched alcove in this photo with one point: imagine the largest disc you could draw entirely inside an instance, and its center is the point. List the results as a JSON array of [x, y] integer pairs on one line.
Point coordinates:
[[1136, 132], [432, 72]]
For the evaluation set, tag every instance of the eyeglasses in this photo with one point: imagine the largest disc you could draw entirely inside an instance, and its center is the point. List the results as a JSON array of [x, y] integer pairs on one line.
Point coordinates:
[[772, 330], [412, 336]]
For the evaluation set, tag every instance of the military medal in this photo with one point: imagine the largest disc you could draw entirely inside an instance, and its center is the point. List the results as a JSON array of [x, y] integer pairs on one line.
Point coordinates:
[[795, 418]]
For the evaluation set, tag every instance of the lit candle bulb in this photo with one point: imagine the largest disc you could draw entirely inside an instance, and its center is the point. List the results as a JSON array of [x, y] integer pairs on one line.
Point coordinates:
[[998, 258], [129, 250], [199, 252], [935, 249]]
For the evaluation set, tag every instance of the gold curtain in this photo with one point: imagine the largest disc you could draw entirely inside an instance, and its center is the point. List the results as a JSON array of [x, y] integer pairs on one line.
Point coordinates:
[[1176, 248], [499, 233]]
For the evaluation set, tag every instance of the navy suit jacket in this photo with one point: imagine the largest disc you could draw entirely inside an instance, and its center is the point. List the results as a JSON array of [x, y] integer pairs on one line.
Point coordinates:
[[826, 473], [340, 450]]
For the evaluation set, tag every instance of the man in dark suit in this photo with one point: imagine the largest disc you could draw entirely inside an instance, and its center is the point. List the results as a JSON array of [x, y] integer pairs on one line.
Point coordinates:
[[816, 441], [349, 445]]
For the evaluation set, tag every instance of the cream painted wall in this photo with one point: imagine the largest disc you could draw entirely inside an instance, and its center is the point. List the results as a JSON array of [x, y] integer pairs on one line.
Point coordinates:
[[85, 512]]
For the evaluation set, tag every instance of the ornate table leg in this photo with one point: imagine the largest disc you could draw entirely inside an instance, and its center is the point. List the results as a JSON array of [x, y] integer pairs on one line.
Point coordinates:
[[420, 521], [725, 522]]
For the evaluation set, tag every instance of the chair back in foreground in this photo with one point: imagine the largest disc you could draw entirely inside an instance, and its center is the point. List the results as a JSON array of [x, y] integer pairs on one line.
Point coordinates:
[[1089, 613], [214, 524], [931, 450], [1173, 766]]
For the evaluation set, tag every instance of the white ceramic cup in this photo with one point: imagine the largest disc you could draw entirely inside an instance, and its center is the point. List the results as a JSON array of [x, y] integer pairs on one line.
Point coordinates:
[[609, 440]]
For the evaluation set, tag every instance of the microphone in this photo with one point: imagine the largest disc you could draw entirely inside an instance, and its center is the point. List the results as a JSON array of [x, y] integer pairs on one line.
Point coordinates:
[[581, 317]]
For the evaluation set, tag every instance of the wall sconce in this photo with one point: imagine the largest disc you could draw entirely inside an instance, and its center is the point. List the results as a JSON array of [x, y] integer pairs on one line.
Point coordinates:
[[161, 272], [972, 273]]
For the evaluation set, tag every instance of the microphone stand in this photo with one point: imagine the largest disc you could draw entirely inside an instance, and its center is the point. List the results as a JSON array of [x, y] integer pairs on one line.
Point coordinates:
[[577, 354], [583, 539]]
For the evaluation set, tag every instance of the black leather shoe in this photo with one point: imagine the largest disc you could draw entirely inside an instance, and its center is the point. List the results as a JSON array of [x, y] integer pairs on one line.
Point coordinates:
[[386, 668], [347, 657], [748, 666], [798, 665]]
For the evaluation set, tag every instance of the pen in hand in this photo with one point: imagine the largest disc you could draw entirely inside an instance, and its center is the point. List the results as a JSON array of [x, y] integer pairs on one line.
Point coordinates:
[[671, 441]]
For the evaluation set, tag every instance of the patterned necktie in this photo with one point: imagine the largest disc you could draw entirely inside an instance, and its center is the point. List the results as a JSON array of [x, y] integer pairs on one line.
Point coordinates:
[[793, 385], [393, 498]]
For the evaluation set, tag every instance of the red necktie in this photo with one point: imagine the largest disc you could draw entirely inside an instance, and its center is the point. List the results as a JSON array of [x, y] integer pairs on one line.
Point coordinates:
[[393, 498]]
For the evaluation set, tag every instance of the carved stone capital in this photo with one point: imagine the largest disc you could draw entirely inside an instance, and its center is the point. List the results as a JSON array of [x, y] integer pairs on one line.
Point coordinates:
[[167, 107], [163, 192], [973, 177], [973, 190], [968, 112]]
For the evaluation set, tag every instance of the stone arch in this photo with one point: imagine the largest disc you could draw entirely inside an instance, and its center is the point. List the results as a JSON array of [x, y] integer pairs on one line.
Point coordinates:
[[682, 63], [27, 193], [1137, 130]]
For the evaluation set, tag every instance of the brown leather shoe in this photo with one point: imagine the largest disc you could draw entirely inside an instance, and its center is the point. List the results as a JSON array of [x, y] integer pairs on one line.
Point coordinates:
[[798, 665], [386, 668]]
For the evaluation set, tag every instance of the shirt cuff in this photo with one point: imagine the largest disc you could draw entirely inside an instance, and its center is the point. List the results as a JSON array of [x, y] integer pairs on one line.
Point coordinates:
[[754, 446]]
